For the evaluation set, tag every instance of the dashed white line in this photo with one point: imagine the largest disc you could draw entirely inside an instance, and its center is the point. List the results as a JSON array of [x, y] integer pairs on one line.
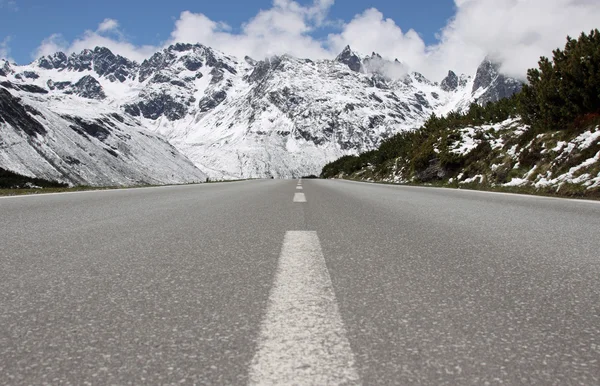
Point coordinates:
[[303, 339], [299, 197], [299, 188]]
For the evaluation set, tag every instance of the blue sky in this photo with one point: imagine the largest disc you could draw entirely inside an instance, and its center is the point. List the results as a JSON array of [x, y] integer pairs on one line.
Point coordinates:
[[429, 36], [28, 22]]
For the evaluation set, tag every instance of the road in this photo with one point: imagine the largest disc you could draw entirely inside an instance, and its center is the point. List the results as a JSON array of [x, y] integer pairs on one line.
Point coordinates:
[[330, 282]]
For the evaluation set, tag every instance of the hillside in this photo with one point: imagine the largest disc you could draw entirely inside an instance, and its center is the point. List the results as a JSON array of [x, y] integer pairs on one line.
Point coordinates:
[[545, 139]]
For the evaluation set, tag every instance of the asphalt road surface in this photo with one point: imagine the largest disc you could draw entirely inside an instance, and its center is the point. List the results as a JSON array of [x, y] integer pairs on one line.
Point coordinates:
[[268, 282]]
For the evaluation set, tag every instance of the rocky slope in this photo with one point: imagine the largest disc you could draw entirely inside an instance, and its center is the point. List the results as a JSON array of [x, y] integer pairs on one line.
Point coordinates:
[[230, 117]]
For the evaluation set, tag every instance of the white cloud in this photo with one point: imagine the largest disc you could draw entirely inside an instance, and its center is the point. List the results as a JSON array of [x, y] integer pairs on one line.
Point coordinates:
[[51, 44], [285, 28], [106, 35], [108, 25], [5, 49], [372, 32], [515, 32]]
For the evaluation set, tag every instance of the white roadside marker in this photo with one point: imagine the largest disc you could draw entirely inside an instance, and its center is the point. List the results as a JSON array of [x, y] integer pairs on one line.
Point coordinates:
[[303, 339], [299, 197]]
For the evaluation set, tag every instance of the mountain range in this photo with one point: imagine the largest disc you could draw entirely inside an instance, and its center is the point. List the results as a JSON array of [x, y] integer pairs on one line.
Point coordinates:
[[190, 112]]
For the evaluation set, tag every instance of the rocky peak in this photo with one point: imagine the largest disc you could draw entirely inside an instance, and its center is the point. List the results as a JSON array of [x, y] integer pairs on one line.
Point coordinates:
[[450, 82], [82, 61], [496, 86], [55, 61], [101, 60], [191, 57], [157, 62], [181, 47], [5, 68], [350, 58], [487, 72], [263, 68], [421, 78], [88, 87], [114, 66]]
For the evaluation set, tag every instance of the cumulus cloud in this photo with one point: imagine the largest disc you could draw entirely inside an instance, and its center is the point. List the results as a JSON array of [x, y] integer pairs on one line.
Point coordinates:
[[50, 45], [285, 28], [372, 32], [108, 25], [513, 32]]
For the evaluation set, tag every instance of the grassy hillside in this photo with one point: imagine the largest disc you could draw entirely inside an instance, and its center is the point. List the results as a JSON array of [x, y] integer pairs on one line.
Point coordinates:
[[545, 139]]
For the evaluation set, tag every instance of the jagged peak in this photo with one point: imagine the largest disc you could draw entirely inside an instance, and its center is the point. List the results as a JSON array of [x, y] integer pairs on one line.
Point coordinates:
[[487, 72], [184, 47], [450, 82], [103, 51], [181, 47], [5, 67], [350, 58], [56, 60], [421, 78], [491, 85], [84, 52], [346, 51]]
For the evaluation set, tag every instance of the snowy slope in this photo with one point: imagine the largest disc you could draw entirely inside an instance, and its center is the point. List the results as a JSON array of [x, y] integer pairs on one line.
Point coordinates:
[[560, 162], [84, 143], [279, 117]]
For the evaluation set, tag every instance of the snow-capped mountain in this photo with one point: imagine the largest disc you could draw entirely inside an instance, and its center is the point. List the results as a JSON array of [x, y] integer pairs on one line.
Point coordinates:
[[280, 117], [79, 139]]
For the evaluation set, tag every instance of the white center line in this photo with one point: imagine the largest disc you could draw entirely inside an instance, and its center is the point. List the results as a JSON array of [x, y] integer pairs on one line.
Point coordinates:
[[299, 187], [303, 339], [299, 197]]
